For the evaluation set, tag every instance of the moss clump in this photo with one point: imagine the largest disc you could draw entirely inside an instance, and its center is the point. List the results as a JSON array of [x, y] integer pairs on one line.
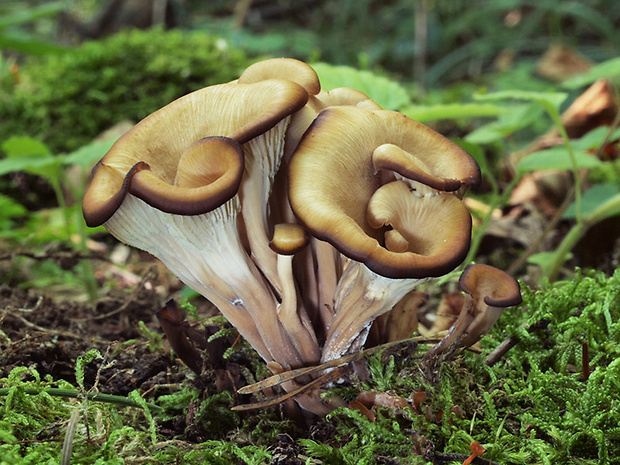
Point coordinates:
[[532, 407], [66, 100]]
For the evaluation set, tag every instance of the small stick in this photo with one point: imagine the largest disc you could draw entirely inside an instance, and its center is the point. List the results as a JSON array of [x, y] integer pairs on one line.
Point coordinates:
[[280, 378], [320, 381], [512, 341]]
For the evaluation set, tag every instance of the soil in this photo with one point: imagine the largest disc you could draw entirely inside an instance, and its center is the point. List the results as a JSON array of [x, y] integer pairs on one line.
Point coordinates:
[[49, 335]]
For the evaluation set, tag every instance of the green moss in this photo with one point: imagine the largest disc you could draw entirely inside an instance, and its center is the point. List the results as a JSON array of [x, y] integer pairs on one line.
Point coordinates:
[[532, 407], [66, 100]]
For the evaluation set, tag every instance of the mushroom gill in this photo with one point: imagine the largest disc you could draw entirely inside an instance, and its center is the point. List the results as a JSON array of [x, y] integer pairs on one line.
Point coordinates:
[[177, 174]]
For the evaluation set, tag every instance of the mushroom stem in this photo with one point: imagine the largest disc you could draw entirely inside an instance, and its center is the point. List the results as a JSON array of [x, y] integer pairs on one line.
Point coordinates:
[[292, 315], [263, 156], [327, 270], [457, 331], [362, 296]]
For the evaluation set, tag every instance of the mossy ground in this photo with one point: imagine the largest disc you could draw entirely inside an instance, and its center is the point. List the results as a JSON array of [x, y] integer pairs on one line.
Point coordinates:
[[531, 407]]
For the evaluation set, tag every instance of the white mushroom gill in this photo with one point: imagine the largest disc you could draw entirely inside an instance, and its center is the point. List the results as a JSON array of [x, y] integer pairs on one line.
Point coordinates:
[[263, 156], [206, 253], [362, 295]]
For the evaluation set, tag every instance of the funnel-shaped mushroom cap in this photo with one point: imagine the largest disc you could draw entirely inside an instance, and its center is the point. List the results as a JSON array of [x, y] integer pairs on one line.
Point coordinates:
[[430, 234], [333, 178], [185, 158], [490, 286], [491, 291], [208, 174], [283, 68]]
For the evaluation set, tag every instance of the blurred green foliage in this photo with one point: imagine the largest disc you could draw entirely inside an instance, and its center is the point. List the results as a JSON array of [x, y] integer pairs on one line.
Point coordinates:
[[16, 22], [67, 100], [451, 39]]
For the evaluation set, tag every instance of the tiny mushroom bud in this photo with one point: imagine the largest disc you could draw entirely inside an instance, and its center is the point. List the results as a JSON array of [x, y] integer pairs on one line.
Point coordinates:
[[488, 292]]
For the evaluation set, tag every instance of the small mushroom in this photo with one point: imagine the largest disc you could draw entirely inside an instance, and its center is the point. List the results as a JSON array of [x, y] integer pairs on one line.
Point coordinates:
[[402, 320], [488, 292], [288, 240]]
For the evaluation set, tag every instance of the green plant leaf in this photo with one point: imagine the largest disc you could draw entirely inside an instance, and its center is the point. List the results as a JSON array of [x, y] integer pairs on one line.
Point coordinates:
[[389, 94], [593, 198], [425, 113], [544, 260], [43, 166], [593, 139], [551, 101], [25, 43], [9, 209], [556, 158], [29, 14], [476, 152], [29, 155], [606, 69], [519, 117], [24, 147], [88, 154]]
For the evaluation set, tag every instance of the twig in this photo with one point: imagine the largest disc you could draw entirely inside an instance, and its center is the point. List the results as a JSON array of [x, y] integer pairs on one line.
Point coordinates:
[[314, 384], [7, 312], [337, 368], [585, 361], [53, 256], [67, 445], [280, 378], [512, 341]]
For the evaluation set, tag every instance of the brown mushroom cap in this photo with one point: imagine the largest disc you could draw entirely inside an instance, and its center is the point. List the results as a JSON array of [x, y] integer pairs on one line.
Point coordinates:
[[393, 158], [209, 174], [171, 158], [436, 228], [488, 292], [492, 286], [283, 68], [343, 96], [332, 179], [288, 239]]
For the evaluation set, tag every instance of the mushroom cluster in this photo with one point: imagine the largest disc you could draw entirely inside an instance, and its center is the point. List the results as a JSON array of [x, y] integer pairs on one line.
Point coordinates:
[[302, 215]]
